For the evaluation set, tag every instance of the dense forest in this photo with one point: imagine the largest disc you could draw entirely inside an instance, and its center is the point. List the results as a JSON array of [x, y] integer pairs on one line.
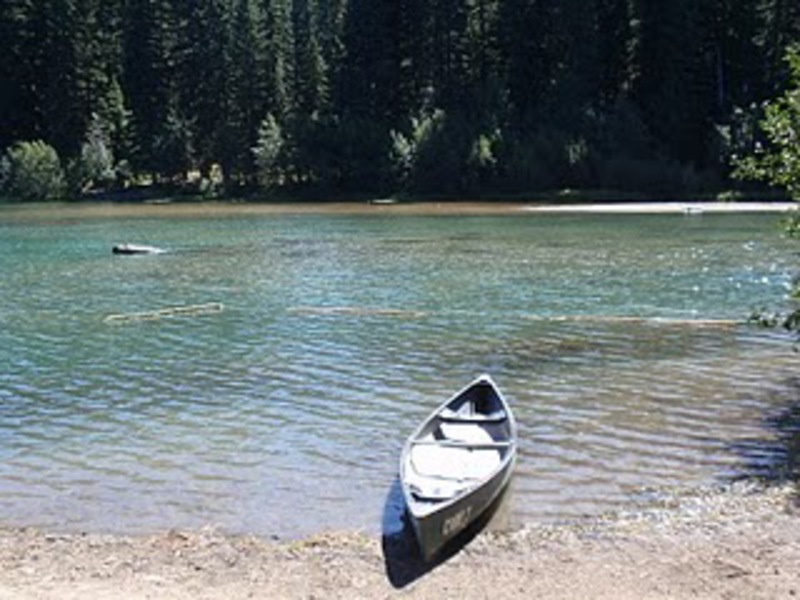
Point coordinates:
[[422, 97]]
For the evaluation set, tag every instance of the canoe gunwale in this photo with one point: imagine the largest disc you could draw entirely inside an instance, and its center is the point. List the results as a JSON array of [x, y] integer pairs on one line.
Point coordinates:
[[430, 517]]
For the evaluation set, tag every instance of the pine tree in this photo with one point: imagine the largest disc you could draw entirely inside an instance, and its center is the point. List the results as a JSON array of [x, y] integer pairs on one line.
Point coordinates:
[[678, 96], [529, 90], [247, 93], [779, 28], [64, 116], [616, 43], [278, 37], [201, 77], [163, 140], [415, 80], [312, 86], [19, 72], [531, 57]]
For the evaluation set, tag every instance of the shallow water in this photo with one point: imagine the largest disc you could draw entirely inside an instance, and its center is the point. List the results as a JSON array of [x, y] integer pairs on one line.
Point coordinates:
[[284, 412]]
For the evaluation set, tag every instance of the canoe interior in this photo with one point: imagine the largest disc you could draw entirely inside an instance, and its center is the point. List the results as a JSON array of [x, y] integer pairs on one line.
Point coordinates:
[[460, 447]]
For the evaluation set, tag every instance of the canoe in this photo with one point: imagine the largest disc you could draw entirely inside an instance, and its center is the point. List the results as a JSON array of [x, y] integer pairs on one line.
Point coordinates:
[[457, 463]]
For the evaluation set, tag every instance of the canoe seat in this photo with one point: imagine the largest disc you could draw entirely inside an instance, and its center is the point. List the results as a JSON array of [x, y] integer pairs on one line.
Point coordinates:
[[442, 472], [472, 433], [449, 414], [469, 445], [439, 472], [435, 489]]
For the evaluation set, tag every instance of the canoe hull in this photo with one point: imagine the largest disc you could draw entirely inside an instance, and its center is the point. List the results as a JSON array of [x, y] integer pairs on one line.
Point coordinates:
[[447, 482], [436, 530]]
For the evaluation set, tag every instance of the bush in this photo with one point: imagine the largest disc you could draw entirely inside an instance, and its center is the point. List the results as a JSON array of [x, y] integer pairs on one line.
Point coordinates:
[[416, 154], [31, 171], [268, 151], [779, 162], [445, 153], [96, 163]]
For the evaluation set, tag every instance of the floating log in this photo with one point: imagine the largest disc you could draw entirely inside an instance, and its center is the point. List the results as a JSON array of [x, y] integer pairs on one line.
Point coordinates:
[[357, 311], [365, 311], [192, 310], [641, 320], [136, 249]]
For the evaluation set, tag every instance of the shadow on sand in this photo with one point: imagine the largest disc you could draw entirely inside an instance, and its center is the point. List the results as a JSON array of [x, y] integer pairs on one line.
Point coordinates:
[[775, 456], [402, 558]]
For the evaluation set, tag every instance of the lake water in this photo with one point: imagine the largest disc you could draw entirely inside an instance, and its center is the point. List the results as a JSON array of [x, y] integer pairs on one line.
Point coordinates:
[[281, 408]]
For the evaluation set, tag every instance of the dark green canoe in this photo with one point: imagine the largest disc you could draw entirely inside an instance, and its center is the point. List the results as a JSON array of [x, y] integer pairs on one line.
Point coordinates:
[[457, 463]]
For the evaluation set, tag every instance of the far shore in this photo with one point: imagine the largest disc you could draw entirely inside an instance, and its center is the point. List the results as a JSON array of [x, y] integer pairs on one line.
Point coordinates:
[[688, 208], [166, 208]]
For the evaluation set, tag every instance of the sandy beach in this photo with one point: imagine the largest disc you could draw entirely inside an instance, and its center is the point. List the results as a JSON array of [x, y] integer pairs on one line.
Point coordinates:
[[738, 543], [687, 208]]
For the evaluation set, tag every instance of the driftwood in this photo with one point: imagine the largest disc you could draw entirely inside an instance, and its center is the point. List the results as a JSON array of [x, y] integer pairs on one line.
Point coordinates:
[[192, 310], [358, 311], [641, 320], [366, 311]]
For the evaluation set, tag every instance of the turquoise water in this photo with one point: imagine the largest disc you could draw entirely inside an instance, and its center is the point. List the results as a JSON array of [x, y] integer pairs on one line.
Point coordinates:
[[284, 412]]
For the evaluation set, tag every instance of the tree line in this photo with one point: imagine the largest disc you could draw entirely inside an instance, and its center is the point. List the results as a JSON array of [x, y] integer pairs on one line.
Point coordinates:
[[423, 97]]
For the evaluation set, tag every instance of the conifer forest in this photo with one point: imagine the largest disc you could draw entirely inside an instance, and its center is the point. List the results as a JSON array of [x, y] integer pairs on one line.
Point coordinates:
[[450, 98]]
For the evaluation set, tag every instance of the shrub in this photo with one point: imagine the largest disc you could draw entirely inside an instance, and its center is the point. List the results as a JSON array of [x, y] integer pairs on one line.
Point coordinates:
[[31, 171], [779, 162], [268, 151], [97, 158], [409, 150]]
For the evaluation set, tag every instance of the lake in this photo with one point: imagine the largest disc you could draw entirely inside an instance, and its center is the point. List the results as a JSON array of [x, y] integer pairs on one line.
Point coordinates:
[[295, 351]]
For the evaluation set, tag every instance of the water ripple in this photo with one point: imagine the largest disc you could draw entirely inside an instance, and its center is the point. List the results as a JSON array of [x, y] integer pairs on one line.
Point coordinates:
[[285, 412]]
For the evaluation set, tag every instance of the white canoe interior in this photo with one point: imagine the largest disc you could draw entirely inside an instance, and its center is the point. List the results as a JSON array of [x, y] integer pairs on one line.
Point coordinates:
[[464, 455]]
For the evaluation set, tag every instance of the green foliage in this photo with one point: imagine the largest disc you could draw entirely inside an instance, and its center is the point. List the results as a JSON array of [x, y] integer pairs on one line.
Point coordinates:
[[267, 153], [173, 146], [791, 224], [246, 92], [771, 320], [347, 155], [536, 161], [483, 161], [31, 171], [764, 318], [778, 163], [408, 151], [95, 167], [530, 94], [445, 153]]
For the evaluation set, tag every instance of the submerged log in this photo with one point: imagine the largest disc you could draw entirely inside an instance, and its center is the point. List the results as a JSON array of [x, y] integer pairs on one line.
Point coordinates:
[[192, 310]]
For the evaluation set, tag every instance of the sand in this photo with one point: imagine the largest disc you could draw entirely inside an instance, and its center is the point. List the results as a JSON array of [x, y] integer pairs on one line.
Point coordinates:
[[738, 543], [65, 211], [687, 208]]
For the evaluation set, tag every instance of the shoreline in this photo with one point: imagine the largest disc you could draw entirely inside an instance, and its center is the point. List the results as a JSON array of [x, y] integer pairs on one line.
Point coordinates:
[[78, 210], [743, 542], [685, 208]]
